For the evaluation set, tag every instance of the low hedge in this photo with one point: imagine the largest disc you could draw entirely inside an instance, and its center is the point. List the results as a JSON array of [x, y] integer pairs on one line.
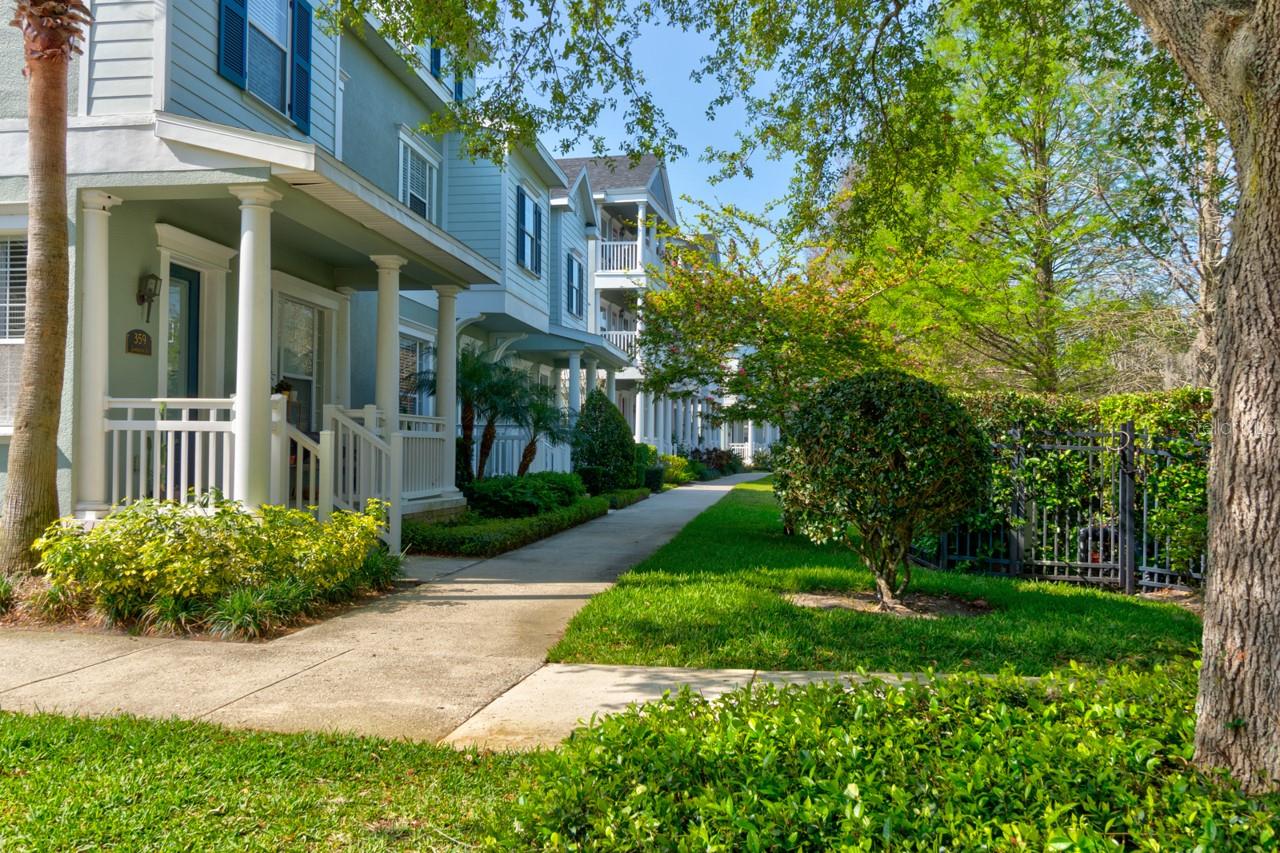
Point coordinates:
[[487, 537], [626, 497], [525, 495], [1082, 760], [210, 568]]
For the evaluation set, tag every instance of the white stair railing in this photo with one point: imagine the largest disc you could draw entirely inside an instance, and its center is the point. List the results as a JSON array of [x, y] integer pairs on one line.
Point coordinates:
[[173, 448], [627, 341], [366, 466], [300, 479]]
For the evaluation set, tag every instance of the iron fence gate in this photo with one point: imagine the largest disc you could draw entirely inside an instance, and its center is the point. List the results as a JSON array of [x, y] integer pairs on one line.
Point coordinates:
[[1085, 507]]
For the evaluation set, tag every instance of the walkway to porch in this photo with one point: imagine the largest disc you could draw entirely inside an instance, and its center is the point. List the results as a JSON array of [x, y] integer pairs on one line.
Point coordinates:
[[415, 664]]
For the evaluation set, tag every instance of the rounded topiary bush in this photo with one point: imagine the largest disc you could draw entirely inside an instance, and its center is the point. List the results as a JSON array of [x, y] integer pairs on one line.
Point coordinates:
[[877, 459], [603, 451]]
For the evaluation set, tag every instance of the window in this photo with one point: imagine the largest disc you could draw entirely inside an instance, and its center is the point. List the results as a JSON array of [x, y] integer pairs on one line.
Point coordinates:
[[457, 89], [301, 347], [264, 46], [13, 317], [528, 232], [268, 70], [13, 289], [437, 62], [417, 358], [419, 180], [573, 286]]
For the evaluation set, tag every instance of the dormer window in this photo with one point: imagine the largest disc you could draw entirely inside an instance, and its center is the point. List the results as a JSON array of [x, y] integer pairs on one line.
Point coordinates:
[[419, 179]]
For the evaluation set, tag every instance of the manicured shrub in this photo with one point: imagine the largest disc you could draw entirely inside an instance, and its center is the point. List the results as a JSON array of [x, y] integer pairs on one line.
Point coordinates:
[[486, 537], [626, 497], [510, 497], [177, 569], [710, 474], [653, 478], [724, 461], [677, 470], [1078, 761], [602, 440], [762, 459], [567, 486], [646, 458], [888, 454]]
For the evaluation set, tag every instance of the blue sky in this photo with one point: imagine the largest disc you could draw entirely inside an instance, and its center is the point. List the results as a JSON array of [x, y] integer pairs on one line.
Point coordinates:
[[667, 57]]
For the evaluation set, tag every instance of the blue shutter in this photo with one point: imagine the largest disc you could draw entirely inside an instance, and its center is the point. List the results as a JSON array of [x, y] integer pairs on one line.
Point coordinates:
[[520, 225], [300, 101], [437, 61], [537, 239], [233, 36], [457, 88]]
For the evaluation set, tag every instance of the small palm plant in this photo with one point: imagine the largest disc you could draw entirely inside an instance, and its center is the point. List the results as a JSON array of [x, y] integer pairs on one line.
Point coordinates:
[[505, 398], [540, 418]]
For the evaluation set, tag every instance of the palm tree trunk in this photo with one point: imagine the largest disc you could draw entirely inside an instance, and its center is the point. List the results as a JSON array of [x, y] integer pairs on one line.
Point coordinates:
[[487, 438], [527, 457], [31, 493], [466, 440]]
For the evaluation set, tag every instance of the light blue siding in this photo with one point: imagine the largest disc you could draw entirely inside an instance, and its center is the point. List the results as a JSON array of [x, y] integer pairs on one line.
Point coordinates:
[[521, 281], [196, 90], [473, 202]]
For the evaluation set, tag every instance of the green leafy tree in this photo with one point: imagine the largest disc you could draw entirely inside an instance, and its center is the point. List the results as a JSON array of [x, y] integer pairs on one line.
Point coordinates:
[[877, 459], [757, 323]]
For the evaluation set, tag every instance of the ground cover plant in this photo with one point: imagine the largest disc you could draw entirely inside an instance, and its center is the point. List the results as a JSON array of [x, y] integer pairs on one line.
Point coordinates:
[[472, 535], [714, 597], [212, 568], [128, 784], [1083, 760]]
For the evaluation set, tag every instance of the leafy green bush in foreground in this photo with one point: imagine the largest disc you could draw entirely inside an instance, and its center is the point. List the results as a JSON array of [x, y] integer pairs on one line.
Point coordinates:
[[1073, 762], [486, 537], [180, 568], [525, 495]]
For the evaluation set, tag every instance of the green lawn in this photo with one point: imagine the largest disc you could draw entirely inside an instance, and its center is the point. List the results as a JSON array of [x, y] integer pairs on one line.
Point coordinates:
[[129, 784], [712, 597]]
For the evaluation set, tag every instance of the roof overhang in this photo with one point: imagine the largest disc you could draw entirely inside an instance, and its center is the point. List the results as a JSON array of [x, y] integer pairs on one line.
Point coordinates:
[[313, 171]]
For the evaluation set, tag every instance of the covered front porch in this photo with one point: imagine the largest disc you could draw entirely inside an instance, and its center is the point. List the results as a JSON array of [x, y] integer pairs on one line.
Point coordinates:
[[233, 305]]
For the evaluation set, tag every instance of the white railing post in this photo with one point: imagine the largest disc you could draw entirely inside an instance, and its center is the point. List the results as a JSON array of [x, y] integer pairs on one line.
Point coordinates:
[[396, 492], [324, 498], [279, 450]]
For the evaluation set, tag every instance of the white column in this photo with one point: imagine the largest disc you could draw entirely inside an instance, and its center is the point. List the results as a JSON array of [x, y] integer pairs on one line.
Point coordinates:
[[557, 385], [90, 466], [699, 405], [447, 376], [640, 406], [724, 435], [664, 425], [611, 385], [593, 374], [641, 209], [575, 383], [686, 415], [751, 440], [252, 422], [386, 371]]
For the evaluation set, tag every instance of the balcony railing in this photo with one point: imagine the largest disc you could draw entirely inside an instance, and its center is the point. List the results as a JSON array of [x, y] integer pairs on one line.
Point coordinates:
[[619, 256], [627, 341]]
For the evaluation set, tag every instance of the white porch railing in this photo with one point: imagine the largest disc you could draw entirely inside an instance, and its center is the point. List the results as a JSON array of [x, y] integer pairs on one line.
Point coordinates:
[[425, 472], [172, 448], [299, 476], [627, 341], [508, 447], [619, 256], [363, 465], [742, 449]]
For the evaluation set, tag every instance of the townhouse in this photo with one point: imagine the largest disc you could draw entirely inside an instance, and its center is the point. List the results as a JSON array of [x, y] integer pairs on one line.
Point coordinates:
[[267, 255]]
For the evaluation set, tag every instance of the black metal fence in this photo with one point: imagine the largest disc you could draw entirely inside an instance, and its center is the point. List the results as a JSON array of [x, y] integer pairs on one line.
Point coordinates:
[[1085, 507]]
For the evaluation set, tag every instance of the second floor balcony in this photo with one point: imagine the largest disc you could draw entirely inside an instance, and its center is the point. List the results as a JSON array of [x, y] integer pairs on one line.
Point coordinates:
[[626, 256]]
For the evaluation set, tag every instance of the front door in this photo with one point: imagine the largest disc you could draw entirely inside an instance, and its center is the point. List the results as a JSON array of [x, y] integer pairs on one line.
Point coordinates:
[[183, 353], [301, 343]]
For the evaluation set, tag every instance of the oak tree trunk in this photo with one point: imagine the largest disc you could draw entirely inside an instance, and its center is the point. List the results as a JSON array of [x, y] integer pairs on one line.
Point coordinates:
[[1230, 49], [31, 493]]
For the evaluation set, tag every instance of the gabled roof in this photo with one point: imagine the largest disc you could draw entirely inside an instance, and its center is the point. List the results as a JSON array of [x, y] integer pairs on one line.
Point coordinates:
[[611, 172]]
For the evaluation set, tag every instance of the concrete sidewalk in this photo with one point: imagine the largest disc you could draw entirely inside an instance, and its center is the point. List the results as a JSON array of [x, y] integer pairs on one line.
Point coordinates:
[[544, 708], [416, 664]]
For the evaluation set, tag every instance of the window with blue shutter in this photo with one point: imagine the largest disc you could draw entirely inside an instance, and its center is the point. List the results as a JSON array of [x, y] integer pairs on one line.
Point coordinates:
[[437, 61], [233, 34], [300, 87], [528, 232], [457, 89], [574, 286]]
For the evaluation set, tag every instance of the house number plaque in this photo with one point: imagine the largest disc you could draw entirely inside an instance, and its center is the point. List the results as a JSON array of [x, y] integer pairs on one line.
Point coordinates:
[[137, 341]]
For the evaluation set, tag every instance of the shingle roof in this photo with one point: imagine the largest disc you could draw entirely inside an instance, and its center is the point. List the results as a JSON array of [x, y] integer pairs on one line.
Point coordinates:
[[611, 172]]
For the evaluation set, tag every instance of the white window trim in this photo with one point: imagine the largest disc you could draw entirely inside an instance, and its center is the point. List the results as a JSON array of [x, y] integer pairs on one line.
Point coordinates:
[[213, 261], [288, 59], [415, 141], [331, 306], [9, 231], [423, 334]]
